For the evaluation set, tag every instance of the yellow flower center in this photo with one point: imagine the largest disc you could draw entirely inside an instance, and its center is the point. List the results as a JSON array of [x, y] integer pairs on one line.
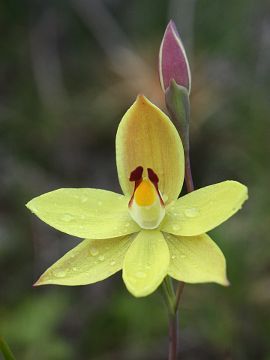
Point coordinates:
[[145, 194], [146, 205]]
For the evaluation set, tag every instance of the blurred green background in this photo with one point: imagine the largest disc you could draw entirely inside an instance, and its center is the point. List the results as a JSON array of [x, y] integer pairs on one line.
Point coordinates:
[[68, 72]]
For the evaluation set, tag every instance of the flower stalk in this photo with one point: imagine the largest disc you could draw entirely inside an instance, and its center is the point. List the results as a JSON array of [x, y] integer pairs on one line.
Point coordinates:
[[170, 299], [178, 106], [173, 335]]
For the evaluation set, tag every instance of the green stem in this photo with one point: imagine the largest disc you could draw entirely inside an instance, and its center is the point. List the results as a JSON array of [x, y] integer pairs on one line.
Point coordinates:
[[4, 348], [168, 299], [169, 295], [170, 289]]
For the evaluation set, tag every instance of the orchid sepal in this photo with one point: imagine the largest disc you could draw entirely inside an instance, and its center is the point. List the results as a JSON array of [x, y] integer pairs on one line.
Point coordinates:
[[146, 137]]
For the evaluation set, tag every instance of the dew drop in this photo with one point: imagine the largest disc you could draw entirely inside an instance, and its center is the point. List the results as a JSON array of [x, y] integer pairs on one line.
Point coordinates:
[[101, 258], [191, 212], [67, 217], [112, 263], [93, 251], [59, 273], [140, 274], [173, 257]]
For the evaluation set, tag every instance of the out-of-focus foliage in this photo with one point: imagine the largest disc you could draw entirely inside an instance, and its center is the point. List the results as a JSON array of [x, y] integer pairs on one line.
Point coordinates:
[[68, 72]]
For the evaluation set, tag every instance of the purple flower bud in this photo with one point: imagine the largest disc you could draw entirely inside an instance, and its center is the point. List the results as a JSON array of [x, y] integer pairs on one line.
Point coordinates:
[[173, 62]]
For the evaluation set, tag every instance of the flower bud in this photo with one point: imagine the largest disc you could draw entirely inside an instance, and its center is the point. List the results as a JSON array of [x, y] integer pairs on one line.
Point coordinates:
[[173, 62]]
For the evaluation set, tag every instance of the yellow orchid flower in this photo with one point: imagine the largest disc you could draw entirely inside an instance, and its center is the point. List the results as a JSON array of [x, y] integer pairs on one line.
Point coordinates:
[[147, 232]]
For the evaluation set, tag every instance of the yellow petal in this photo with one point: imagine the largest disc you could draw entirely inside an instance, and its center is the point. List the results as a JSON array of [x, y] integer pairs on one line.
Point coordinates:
[[204, 209], [196, 259], [146, 137], [87, 263], [146, 263], [85, 213]]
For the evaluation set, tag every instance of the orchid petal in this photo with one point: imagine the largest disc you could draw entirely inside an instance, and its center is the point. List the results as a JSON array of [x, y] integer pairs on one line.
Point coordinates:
[[196, 259], [146, 263], [146, 137], [88, 262], [204, 209], [85, 213]]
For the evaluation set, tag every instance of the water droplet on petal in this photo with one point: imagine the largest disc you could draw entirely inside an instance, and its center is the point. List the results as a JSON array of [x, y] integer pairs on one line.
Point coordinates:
[[191, 212], [101, 257], [173, 257], [112, 263], [93, 251], [140, 274], [67, 217], [59, 273]]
